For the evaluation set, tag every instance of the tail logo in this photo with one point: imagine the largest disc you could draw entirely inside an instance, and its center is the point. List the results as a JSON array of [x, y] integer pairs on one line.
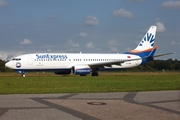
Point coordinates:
[[148, 39]]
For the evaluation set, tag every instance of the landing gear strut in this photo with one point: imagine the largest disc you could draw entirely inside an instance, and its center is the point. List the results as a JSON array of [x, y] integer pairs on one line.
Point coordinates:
[[94, 73], [21, 72]]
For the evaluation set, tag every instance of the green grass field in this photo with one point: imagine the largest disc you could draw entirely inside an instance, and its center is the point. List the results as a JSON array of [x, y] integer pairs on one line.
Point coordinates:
[[33, 83]]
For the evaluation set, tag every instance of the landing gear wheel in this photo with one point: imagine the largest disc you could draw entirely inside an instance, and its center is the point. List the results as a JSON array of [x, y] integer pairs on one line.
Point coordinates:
[[94, 74]]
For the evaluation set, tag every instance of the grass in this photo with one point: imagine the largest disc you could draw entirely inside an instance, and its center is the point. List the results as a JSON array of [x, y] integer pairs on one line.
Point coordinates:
[[13, 83]]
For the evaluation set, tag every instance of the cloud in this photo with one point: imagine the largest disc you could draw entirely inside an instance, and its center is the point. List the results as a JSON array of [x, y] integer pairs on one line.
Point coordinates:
[[5, 55], [91, 21], [26, 42], [160, 27], [90, 45], [113, 42], [47, 46], [82, 35], [48, 50], [113, 45], [113, 49], [72, 43], [122, 13], [135, 0], [173, 43], [3, 3], [171, 4], [54, 16]]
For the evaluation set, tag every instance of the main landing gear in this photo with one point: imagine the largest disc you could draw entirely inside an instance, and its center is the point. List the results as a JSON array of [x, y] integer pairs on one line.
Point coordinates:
[[94, 73]]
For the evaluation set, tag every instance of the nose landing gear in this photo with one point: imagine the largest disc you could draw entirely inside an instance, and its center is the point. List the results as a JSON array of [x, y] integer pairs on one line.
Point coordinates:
[[21, 72]]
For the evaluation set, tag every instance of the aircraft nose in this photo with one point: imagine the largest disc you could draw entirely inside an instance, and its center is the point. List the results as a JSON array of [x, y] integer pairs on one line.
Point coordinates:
[[8, 65]]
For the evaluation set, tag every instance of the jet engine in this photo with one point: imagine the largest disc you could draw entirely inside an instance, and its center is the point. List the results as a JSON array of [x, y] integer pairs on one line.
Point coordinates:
[[81, 70]]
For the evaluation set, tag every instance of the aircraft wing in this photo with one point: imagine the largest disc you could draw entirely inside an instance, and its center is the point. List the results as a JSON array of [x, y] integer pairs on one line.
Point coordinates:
[[109, 63]]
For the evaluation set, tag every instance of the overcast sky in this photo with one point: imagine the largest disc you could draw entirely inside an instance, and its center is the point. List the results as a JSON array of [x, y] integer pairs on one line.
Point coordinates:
[[90, 26]]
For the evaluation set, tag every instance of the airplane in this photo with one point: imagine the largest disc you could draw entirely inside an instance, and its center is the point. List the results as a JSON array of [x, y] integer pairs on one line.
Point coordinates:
[[87, 63]]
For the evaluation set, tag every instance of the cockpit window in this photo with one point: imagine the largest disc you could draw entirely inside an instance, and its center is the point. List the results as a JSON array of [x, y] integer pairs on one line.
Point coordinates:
[[16, 59]]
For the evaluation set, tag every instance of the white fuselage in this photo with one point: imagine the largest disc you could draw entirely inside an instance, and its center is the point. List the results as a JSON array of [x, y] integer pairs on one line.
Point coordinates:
[[53, 61]]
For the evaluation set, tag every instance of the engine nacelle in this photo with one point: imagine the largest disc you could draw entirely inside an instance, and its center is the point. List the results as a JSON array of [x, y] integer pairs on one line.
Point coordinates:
[[81, 70], [65, 71]]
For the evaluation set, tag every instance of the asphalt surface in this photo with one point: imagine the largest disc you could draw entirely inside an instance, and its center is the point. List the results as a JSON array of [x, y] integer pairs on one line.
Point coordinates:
[[159, 105]]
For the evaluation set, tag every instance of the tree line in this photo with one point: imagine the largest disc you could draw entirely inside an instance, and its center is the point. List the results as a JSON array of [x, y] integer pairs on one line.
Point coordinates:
[[155, 65], [158, 65]]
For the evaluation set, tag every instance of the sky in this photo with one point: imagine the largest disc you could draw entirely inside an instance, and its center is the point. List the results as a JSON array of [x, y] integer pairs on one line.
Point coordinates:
[[87, 26]]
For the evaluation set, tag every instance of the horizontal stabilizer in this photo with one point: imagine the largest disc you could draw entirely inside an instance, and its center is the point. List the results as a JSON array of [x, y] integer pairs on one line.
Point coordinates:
[[163, 54]]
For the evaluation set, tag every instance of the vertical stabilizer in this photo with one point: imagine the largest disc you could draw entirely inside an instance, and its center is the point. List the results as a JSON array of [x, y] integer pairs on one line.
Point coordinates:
[[147, 42], [146, 45]]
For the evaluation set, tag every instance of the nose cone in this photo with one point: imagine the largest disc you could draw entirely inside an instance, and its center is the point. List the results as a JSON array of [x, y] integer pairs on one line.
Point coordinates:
[[9, 65]]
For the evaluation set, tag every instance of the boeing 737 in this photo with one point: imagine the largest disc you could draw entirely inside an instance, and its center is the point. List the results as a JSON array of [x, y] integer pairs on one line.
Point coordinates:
[[83, 64]]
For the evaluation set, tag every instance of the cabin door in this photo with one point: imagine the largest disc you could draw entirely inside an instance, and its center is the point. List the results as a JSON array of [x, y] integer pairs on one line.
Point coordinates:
[[30, 60]]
